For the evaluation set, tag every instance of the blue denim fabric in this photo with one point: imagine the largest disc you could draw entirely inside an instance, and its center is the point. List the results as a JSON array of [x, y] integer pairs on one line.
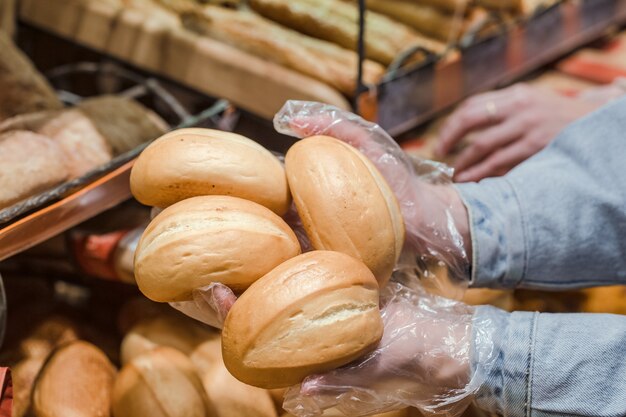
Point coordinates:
[[557, 365], [557, 221]]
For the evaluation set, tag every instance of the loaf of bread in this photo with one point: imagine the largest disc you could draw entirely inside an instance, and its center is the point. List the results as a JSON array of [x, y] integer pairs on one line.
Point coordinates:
[[29, 163], [311, 314], [337, 21], [229, 396], [252, 33], [160, 383], [24, 90], [192, 162], [208, 239], [76, 380], [345, 204], [430, 20]]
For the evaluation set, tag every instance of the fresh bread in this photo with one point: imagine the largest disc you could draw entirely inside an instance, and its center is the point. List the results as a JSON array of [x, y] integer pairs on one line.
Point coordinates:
[[525, 7], [37, 161], [345, 204], [313, 313], [83, 145], [24, 374], [173, 330], [229, 396], [208, 239], [337, 21], [450, 6], [24, 90], [192, 162], [160, 383], [76, 380], [318, 59]]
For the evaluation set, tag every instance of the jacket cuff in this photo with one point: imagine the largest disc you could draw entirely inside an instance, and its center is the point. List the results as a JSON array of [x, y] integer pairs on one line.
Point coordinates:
[[506, 389], [497, 228]]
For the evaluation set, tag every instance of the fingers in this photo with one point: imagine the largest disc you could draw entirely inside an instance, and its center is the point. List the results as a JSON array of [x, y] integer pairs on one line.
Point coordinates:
[[499, 162], [481, 111], [489, 141]]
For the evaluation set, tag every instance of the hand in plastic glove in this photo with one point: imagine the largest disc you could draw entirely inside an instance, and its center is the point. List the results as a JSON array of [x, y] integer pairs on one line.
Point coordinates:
[[510, 125], [436, 221], [434, 355]]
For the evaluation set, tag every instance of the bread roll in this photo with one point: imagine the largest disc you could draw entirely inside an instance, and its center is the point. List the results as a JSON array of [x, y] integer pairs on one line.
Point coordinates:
[[193, 162], [160, 383], [230, 397], [210, 239], [24, 374], [83, 145], [345, 204], [34, 159], [311, 314], [75, 381], [175, 331]]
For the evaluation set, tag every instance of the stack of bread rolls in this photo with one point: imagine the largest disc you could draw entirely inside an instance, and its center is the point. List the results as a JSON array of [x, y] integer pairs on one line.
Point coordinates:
[[223, 196]]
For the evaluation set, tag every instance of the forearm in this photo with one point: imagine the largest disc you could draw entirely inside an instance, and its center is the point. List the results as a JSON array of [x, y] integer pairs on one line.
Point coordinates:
[[558, 220], [557, 365]]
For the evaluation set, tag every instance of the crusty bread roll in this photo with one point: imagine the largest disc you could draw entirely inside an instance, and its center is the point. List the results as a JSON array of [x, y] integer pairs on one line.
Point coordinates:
[[76, 380], [192, 162], [83, 145], [160, 383], [311, 314], [173, 330], [29, 163], [24, 374], [230, 397], [208, 239], [345, 204]]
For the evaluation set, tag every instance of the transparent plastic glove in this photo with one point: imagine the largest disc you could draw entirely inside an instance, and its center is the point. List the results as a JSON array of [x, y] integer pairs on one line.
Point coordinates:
[[436, 221], [434, 355], [209, 304]]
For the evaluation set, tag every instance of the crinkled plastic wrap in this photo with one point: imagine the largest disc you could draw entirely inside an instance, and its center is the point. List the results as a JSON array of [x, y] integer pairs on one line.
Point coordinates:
[[434, 247], [434, 355]]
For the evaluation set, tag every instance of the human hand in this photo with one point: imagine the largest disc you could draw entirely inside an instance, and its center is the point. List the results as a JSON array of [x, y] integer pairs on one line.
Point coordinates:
[[436, 221], [509, 126], [434, 355]]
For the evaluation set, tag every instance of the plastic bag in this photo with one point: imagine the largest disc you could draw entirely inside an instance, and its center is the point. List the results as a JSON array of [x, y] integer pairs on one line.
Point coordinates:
[[434, 355], [434, 247]]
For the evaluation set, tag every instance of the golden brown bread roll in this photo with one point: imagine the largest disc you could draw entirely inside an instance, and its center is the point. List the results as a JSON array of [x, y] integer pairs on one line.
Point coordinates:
[[230, 397], [24, 374], [76, 380], [311, 314], [210, 239], [160, 383], [345, 204], [36, 160], [173, 330], [192, 162]]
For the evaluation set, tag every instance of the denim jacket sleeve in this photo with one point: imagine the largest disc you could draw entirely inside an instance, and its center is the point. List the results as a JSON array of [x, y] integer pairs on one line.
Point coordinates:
[[558, 220], [549, 365]]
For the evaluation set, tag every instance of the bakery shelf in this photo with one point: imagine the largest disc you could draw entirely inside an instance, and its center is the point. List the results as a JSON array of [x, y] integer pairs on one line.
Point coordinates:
[[416, 95]]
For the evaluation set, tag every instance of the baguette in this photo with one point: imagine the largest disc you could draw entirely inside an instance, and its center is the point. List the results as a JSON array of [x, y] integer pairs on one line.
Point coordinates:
[[37, 161], [24, 90], [429, 20], [254, 34], [337, 21]]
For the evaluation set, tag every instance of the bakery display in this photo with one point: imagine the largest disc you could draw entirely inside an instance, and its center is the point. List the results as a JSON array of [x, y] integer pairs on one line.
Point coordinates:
[[213, 239], [193, 162], [345, 204], [311, 314]]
